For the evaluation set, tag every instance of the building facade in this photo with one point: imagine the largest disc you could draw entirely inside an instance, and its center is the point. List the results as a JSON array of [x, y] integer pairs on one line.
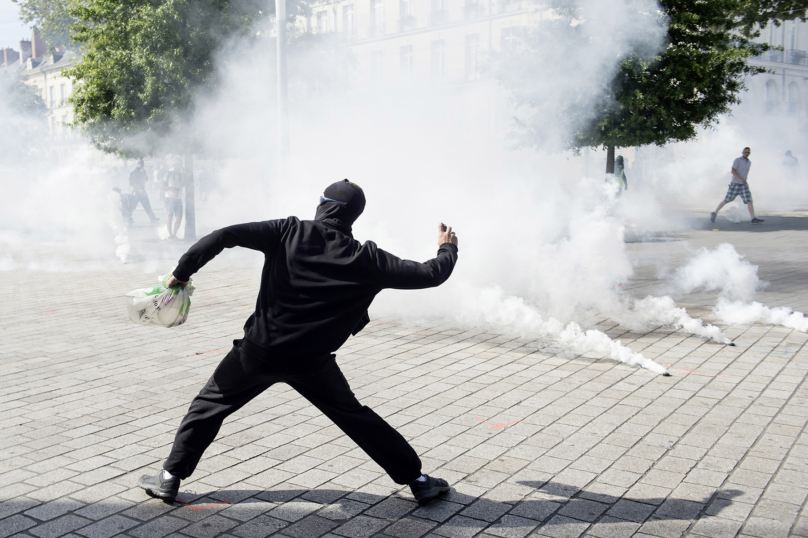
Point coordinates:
[[420, 42], [45, 72]]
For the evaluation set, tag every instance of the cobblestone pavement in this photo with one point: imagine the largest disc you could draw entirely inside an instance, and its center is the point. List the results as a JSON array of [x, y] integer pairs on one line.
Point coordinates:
[[535, 441]]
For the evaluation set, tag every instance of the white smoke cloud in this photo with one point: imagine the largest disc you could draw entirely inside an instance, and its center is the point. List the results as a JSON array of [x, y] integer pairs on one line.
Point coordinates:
[[725, 271]]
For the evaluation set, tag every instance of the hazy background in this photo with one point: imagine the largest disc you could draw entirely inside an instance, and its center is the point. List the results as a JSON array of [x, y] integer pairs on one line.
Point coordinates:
[[542, 234]]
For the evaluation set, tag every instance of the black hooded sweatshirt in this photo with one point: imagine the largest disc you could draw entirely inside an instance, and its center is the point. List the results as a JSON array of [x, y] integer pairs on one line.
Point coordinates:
[[317, 282]]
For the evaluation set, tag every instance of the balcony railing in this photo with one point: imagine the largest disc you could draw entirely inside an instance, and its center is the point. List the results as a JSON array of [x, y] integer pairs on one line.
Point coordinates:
[[438, 17], [796, 57], [775, 56], [407, 23], [375, 30], [473, 10], [349, 34], [506, 6]]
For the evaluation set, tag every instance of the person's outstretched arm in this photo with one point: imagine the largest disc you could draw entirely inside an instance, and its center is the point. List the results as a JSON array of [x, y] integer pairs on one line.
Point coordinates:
[[405, 274], [253, 235]]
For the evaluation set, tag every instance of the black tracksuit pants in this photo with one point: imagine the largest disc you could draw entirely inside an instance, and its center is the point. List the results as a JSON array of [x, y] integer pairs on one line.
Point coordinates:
[[240, 378], [143, 198]]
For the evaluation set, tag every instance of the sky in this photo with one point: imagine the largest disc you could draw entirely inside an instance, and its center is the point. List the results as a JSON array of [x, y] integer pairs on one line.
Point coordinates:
[[12, 29]]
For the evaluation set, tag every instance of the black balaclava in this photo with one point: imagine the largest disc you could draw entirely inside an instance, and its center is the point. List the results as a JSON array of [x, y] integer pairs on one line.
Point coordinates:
[[337, 215]]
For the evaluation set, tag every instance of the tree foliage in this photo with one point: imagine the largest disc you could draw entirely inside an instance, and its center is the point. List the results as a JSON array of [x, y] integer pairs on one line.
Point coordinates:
[[50, 17], [143, 63], [691, 81], [749, 16]]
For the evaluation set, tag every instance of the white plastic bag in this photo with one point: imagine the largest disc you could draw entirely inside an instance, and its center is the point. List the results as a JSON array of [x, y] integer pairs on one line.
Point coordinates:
[[159, 305]]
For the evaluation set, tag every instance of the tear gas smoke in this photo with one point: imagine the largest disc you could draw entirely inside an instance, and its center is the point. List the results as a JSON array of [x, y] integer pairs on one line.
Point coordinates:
[[542, 242], [725, 271]]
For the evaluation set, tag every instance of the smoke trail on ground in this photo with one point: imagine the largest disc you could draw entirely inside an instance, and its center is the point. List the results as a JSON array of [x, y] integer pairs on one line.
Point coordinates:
[[727, 272]]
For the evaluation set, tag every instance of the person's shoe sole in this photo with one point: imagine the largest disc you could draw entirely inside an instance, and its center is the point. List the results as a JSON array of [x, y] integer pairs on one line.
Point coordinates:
[[712, 217]]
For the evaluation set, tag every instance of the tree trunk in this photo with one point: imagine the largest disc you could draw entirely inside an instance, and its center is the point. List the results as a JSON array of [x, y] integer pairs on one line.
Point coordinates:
[[610, 159], [190, 207]]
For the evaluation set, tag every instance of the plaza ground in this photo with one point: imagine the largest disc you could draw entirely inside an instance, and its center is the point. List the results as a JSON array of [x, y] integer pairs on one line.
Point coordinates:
[[534, 440]]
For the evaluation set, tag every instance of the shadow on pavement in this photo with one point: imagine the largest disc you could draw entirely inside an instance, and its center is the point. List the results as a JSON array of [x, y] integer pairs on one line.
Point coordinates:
[[297, 512], [771, 224]]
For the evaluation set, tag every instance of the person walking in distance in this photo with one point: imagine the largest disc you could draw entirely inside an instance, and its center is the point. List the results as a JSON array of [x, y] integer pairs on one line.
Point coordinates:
[[739, 186], [316, 286], [172, 185], [138, 180]]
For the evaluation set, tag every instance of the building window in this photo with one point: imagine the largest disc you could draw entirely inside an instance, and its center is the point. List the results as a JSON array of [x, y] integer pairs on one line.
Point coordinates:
[[438, 60], [348, 21], [509, 37], [439, 13], [376, 65], [322, 22], [406, 19], [376, 17], [772, 98], [62, 94], [52, 91], [406, 62], [472, 56], [794, 103]]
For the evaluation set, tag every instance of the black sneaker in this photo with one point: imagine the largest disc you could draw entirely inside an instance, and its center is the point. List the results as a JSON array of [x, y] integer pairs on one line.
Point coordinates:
[[425, 492], [157, 486], [712, 217], [757, 221]]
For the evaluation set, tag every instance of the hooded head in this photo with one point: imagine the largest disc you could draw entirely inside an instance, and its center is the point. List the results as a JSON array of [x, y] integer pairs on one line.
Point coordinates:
[[345, 203]]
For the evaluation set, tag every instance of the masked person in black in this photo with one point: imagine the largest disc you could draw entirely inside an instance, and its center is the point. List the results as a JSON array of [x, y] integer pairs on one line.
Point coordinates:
[[316, 286]]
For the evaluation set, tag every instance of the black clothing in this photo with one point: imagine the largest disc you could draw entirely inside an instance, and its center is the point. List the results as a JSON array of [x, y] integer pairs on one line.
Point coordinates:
[[138, 179], [317, 282], [239, 378], [337, 215], [316, 286], [143, 198]]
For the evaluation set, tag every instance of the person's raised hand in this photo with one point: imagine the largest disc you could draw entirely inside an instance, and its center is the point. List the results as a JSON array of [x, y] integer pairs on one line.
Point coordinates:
[[171, 282], [446, 235]]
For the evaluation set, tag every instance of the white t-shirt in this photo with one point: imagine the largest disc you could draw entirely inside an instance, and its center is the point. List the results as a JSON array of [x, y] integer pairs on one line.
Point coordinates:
[[174, 180], [741, 166]]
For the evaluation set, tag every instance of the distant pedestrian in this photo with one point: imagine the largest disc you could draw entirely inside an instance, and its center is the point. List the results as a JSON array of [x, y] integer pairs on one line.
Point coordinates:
[[127, 204], [739, 186], [620, 174], [137, 180], [172, 185], [791, 166]]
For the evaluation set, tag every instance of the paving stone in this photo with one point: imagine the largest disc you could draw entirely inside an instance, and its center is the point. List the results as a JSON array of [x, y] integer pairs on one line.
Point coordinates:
[[409, 527], [159, 527], [58, 527], [310, 527], [602, 449], [209, 527], [111, 526], [15, 524], [259, 527], [361, 527], [512, 527]]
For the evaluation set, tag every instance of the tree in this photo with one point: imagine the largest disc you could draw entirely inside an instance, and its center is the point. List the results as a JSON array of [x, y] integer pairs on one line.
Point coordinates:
[[23, 115], [650, 99], [750, 16], [51, 18], [143, 64]]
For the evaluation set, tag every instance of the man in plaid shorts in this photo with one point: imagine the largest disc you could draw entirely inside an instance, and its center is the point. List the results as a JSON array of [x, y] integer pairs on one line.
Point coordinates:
[[739, 186]]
